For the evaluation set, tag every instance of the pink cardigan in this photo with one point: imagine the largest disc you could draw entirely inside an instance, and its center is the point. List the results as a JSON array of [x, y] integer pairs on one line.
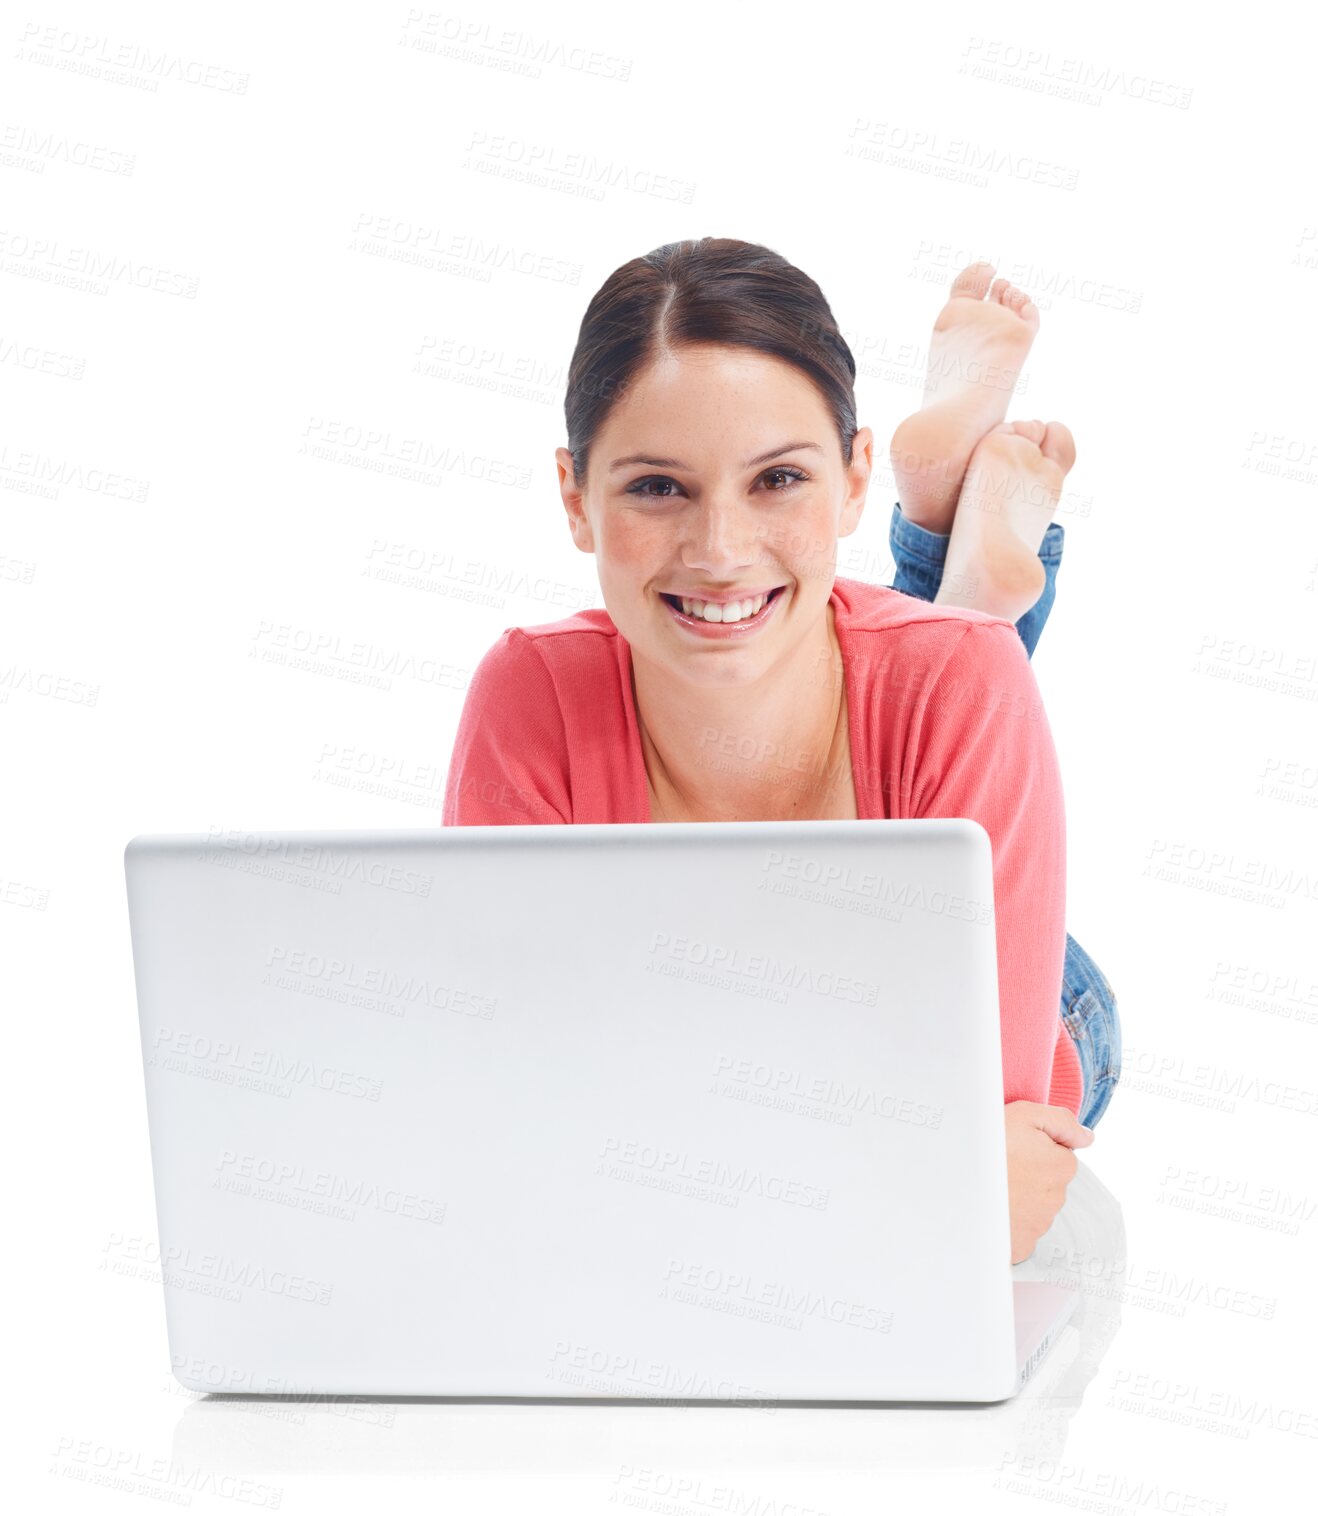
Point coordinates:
[[945, 718]]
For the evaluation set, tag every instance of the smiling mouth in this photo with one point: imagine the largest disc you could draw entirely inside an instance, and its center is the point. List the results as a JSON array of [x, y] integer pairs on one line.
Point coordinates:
[[675, 601]]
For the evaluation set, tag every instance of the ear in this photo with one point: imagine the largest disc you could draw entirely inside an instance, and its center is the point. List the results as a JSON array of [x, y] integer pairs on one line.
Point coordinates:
[[578, 521], [858, 481]]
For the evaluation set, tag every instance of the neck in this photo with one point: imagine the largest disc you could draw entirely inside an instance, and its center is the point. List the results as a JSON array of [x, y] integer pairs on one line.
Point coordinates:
[[764, 751]]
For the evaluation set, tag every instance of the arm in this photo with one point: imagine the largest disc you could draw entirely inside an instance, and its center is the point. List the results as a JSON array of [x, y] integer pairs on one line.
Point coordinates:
[[986, 752], [510, 761]]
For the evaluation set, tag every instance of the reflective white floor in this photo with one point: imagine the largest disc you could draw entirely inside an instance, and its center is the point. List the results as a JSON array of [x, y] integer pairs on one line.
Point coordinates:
[[1183, 1383]]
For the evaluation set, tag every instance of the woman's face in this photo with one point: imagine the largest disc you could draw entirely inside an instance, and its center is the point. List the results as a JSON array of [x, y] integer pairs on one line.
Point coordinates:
[[717, 474]]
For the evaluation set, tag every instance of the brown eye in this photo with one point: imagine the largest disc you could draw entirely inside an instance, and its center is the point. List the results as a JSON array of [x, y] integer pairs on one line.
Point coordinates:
[[639, 488], [793, 475]]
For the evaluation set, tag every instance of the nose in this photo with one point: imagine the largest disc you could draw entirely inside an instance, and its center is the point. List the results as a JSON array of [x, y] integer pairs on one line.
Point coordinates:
[[724, 538]]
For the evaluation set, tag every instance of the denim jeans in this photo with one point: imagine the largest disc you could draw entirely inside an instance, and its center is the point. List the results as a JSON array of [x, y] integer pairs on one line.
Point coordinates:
[[1088, 1008]]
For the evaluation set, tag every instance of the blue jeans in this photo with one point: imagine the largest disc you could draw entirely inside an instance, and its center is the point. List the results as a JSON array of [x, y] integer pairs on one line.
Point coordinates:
[[1089, 1008]]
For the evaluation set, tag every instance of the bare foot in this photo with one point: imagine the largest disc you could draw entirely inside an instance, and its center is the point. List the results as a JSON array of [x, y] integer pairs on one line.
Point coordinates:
[[1009, 496], [975, 358]]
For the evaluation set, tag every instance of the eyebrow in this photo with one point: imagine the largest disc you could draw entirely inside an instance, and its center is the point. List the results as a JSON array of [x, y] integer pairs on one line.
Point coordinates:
[[774, 452]]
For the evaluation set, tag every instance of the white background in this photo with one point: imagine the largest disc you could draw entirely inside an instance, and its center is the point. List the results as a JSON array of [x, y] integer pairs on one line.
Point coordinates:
[[187, 300]]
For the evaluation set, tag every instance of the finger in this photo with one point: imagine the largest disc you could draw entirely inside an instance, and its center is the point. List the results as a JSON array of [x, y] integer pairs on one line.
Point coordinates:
[[1063, 1126]]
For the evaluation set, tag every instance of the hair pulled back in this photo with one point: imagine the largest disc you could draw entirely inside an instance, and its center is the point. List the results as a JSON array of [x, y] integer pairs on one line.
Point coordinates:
[[711, 290]]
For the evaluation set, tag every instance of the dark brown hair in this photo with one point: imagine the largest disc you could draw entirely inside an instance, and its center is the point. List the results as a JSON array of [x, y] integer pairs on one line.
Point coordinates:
[[716, 289]]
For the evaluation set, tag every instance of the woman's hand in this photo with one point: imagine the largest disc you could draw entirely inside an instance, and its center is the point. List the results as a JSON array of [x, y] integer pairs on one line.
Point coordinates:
[[1040, 1165]]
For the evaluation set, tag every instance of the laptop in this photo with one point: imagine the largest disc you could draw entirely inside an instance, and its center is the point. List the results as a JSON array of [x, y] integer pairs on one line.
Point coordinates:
[[681, 1112]]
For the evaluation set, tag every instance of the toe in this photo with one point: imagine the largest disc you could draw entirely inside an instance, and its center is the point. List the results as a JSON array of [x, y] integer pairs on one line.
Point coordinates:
[[973, 280], [1034, 430], [1059, 445], [997, 289], [1029, 313]]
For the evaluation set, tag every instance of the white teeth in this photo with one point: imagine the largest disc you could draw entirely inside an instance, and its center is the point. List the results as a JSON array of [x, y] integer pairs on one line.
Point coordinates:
[[736, 610]]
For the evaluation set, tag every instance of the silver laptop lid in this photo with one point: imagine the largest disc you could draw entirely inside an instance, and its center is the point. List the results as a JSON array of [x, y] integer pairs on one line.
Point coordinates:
[[680, 1111]]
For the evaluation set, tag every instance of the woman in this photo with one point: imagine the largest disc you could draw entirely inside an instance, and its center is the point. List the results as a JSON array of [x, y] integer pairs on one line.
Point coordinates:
[[713, 462]]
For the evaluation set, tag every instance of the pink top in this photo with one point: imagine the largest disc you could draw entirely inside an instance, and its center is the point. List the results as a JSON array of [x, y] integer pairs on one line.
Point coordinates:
[[945, 720]]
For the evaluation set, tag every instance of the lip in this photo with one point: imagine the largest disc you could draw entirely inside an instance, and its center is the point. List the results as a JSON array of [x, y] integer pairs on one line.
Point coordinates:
[[737, 595], [717, 629]]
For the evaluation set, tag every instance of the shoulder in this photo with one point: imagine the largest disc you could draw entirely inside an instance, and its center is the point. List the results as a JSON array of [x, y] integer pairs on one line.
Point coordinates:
[[593, 622], [542, 727], [539, 655], [888, 629], [865, 607]]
